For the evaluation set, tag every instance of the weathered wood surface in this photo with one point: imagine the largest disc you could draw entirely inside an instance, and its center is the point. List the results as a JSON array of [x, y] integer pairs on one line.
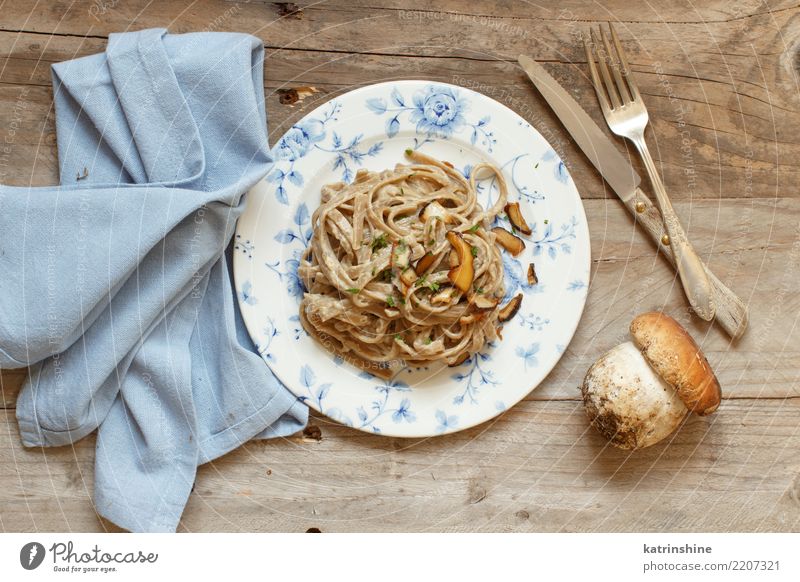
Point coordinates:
[[721, 84]]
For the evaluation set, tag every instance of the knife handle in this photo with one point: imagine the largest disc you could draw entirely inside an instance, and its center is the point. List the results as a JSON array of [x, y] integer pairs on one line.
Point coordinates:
[[731, 312]]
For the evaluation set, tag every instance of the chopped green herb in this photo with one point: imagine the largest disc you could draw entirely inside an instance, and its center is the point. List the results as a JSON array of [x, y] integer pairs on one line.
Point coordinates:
[[386, 275], [403, 300], [423, 282], [474, 251], [353, 290], [474, 228], [390, 301], [409, 151], [513, 230], [398, 338], [428, 341], [379, 242], [402, 192], [479, 290], [431, 242], [373, 271], [546, 221], [536, 166]]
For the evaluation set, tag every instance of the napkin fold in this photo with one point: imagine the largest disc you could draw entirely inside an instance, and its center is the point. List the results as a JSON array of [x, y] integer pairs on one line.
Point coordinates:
[[115, 287]]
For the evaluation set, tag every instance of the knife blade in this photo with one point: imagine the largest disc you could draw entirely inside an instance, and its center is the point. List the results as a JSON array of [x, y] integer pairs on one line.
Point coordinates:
[[612, 165], [731, 313]]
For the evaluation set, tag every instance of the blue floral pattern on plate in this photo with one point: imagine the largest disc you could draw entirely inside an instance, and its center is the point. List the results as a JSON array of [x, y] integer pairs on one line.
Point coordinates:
[[370, 128]]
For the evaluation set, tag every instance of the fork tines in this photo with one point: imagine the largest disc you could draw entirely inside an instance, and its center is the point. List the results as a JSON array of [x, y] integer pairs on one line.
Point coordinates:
[[612, 63]]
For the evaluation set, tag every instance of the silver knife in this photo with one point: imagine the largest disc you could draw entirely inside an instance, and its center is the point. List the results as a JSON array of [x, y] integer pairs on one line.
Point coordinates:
[[619, 174]]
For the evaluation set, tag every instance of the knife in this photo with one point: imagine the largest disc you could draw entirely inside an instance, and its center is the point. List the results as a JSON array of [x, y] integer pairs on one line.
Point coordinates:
[[617, 171]]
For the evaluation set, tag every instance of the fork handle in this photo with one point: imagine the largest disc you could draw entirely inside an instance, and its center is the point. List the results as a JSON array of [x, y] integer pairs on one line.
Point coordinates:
[[731, 312], [693, 275]]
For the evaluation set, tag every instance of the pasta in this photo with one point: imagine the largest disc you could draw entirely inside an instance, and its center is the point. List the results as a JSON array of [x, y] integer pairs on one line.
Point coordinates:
[[402, 266]]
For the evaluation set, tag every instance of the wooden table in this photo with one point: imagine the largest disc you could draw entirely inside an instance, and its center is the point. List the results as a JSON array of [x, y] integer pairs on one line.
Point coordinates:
[[720, 80]]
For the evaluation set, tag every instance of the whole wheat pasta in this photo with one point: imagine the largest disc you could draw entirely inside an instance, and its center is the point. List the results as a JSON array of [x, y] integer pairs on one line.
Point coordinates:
[[402, 266]]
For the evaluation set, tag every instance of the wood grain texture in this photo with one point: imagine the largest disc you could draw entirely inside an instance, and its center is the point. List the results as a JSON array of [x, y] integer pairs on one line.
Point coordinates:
[[720, 81], [536, 468]]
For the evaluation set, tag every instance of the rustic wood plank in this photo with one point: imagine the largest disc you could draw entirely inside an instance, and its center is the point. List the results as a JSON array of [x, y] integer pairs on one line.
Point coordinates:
[[752, 245], [537, 468], [721, 77], [736, 113], [10, 384]]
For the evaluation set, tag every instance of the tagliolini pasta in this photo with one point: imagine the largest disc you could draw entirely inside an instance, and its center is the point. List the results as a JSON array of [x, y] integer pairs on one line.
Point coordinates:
[[403, 266]]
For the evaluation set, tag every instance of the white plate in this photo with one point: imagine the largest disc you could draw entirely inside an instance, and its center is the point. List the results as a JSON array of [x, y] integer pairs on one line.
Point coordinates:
[[370, 128]]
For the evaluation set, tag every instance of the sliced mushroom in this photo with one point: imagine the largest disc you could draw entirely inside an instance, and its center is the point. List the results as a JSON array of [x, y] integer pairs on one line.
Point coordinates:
[[425, 263], [401, 255], [513, 244], [462, 275], [444, 296], [408, 276], [436, 210], [483, 302], [472, 317], [452, 258], [532, 278], [515, 216], [510, 309]]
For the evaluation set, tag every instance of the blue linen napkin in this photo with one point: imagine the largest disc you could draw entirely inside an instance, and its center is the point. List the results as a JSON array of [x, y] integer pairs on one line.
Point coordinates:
[[115, 287]]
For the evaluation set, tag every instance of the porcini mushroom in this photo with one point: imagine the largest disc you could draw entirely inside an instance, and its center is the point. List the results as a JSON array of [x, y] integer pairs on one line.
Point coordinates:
[[640, 391], [461, 275], [513, 244], [678, 360]]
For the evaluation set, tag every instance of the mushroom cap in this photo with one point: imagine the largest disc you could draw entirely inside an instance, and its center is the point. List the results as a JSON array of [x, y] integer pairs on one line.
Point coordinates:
[[676, 357], [628, 402]]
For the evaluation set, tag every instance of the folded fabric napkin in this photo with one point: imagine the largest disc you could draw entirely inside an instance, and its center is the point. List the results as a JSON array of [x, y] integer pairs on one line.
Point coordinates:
[[115, 288]]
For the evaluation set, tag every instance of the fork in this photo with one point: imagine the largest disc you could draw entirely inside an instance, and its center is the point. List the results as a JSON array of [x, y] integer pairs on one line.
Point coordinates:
[[627, 117]]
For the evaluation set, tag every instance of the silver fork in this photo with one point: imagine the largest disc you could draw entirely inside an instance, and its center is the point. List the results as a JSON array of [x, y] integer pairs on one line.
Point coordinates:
[[627, 117]]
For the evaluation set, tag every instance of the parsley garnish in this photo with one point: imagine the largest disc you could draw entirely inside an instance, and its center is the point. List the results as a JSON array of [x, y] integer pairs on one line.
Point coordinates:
[[398, 338], [474, 251], [390, 301], [353, 290], [409, 151], [474, 228], [423, 282], [428, 341], [379, 242]]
